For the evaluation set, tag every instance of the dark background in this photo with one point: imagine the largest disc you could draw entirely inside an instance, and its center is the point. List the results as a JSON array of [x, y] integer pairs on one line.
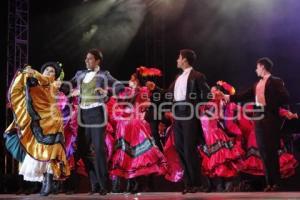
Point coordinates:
[[3, 42], [228, 36]]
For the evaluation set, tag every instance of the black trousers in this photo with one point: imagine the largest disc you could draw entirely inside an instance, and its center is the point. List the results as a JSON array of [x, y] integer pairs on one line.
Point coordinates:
[[188, 133], [154, 130], [267, 131], [91, 145], [153, 121]]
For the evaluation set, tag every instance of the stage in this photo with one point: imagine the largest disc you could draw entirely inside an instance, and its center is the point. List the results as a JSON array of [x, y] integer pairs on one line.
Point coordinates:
[[168, 195], [139, 42]]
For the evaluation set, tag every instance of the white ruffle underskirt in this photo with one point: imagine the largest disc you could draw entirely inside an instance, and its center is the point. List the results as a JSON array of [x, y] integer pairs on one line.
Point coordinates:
[[33, 170]]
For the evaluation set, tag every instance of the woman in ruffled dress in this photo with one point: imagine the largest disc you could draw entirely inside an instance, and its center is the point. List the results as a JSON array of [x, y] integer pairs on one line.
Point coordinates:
[[37, 119], [221, 153], [135, 152]]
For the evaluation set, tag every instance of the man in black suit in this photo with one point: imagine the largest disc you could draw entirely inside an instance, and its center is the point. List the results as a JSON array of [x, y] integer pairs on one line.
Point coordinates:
[[269, 94], [189, 89], [92, 85]]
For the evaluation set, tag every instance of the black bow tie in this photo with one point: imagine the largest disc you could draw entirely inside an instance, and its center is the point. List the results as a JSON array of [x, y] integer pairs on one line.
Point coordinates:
[[180, 72]]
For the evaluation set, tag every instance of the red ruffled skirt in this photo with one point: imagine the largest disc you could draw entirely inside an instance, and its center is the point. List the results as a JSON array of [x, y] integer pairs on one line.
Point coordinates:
[[254, 165], [221, 155], [175, 171], [135, 151]]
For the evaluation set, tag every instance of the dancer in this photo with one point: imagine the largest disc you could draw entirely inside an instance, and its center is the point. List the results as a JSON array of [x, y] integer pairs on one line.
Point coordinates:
[[38, 121], [221, 152], [189, 89], [92, 84], [135, 153], [269, 94]]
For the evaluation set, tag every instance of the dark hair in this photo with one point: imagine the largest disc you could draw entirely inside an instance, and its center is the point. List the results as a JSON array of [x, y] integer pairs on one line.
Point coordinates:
[[135, 76], [97, 54], [219, 87], [55, 65], [189, 55], [266, 62]]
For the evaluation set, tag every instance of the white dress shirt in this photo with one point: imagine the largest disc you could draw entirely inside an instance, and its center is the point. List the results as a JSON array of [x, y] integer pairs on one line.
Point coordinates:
[[181, 85], [260, 99], [90, 75]]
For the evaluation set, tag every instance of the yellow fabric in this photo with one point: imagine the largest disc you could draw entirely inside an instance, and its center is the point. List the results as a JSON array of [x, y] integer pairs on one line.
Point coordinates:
[[44, 103]]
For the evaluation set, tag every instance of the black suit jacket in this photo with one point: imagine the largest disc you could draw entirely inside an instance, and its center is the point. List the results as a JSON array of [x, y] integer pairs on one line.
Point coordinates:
[[197, 88], [276, 95]]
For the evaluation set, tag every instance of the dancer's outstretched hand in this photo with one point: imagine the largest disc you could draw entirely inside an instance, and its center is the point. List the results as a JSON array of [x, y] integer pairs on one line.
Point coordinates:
[[57, 83], [101, 91], [29, 70], [75, 93]]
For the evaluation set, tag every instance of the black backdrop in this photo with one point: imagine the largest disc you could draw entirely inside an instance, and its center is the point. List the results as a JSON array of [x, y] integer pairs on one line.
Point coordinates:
[[228, 36]]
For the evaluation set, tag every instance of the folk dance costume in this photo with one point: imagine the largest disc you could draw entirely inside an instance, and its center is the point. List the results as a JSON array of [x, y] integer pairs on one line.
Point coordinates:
[[253, 164], [135, 151], [69, 112], [39, 124], [221, 153]]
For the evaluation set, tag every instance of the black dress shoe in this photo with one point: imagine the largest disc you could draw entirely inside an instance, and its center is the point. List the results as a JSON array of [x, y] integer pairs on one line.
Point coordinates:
[[70, 192], [194, 190], [185, 191], [103, 192], [135, 188], [91, 192], [190, 190], [268, 188], [204, 189], [132, 186], [95, 189], [116, 190], [55, 187], [116, 186], [275, 188]]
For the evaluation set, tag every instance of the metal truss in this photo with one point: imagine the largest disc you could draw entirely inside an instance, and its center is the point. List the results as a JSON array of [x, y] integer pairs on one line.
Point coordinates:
[[17, 54]]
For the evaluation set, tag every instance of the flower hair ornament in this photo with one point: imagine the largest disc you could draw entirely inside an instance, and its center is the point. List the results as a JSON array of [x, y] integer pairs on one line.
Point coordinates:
[[145, 71], [225, 87]]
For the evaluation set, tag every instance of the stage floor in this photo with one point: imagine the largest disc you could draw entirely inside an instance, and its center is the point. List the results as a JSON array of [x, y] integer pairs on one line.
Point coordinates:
[[166, 195]]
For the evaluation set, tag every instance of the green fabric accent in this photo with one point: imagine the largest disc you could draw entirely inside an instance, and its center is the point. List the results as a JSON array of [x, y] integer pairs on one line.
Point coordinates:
[[13, 145], [88, 95]]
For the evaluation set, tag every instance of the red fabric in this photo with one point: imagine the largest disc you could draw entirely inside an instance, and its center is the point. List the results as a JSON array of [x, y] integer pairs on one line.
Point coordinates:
[[144, 71], [109, 141], [224, 160], [175, 171], [252, 164], [135, 133], [288, 164]]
